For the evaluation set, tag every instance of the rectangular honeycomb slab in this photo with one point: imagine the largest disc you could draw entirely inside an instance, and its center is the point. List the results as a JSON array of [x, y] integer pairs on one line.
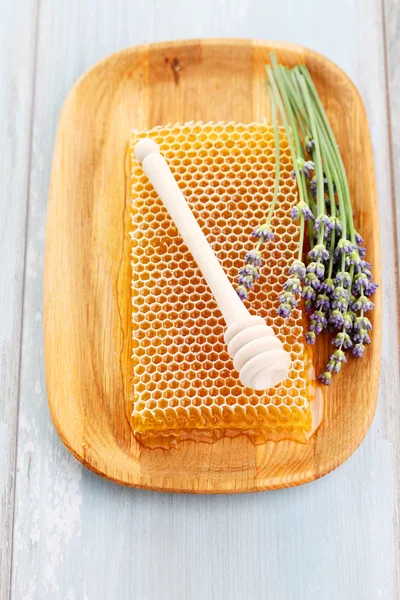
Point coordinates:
[[184, 384]]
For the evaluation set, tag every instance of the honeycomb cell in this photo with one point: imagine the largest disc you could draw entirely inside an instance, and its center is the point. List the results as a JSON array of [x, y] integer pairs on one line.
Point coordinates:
[[184, 381]]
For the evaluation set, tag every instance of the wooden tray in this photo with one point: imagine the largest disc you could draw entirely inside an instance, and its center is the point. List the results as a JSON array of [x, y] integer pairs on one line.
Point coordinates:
[[87, 271]]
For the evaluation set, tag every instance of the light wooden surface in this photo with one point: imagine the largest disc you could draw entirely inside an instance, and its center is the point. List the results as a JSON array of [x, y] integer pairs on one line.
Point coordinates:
[[77, 536], [87, 318]]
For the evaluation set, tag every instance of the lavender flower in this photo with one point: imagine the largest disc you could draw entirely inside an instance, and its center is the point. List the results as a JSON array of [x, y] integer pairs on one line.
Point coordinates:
[[344, 247], [336, 319], [263, 233], [363, 303], [353, 258], [305, 166], [242, 292], [361, 337], [328, 286], [301, 208], [253, 258], [318, 321], [317, 268], [309, 293], [342, 339], [362, 323], [322, 301], [310, 143], [293, 285], [319, 252], [298, 269], [325, 378], [358, 238], [288, 300], [360, 282], [358, 350], [310, 337], [348, 321], [313, 281], [342, 279], [326, 221]]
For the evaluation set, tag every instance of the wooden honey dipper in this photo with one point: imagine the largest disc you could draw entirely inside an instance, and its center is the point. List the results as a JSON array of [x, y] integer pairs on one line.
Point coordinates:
[[256, 352]]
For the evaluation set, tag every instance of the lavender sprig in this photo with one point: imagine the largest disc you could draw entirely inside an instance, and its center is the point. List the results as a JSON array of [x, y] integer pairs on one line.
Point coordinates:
[[249, 274], [336, 284]]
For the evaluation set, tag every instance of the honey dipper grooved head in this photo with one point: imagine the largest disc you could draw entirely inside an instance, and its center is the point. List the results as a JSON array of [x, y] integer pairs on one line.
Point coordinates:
[[257, 353], [144, 147]]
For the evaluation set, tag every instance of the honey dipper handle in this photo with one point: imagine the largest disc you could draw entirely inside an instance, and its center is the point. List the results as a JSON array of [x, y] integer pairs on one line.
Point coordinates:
[[159, 174]]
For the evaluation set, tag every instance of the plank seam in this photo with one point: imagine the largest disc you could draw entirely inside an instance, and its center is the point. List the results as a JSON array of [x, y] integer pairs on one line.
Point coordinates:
[[27, 202], [396, 251]]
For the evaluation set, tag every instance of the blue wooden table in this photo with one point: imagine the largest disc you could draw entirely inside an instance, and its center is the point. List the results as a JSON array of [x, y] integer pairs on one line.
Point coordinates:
[[67, 534]]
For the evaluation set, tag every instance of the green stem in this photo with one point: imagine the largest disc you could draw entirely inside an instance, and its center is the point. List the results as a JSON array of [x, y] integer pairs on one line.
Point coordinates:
[[277, 158], [301, 239], [338, 158]]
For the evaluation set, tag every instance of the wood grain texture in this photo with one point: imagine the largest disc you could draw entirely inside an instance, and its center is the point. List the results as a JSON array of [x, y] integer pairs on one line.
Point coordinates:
[[74, 531], [17, 39], [88, 263]]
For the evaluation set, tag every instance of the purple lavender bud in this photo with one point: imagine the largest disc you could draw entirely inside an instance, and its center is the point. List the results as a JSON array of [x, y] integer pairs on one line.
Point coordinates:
[[358, 350], [305, 166], [284, 310], [363, 303], [342, 339], [245, 280], [325, 378], [293, 284], [362, 251], [360, 281], [347, 321], [242, 292], [313, 186], [371, 288], [312, 279], [322, 301], [294, 213], [319, 252], [293, 174], [263, 233], [249, 270], [338, 225], [366, 266], [307, 213], [288, 298], [362, 323], [342, 279], [344, 247], [336, 319], [353, 258], [308, 305], [328, 286], [298, 269], [358, 238], [253, 258], [361, 337], [310, 338], [340, 292], [309, 293], [310, 145], [326, 221], [339, 355]]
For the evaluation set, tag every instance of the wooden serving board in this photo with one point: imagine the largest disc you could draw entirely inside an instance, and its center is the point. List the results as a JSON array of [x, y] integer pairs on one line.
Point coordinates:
[[87, 270]]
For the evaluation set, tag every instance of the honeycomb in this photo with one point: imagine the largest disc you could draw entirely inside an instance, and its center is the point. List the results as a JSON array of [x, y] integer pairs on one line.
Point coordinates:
[[184, 385]]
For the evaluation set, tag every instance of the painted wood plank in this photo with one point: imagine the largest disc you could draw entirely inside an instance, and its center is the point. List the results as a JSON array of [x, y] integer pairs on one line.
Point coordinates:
[[17, 43], [392, 35], [78, 536]]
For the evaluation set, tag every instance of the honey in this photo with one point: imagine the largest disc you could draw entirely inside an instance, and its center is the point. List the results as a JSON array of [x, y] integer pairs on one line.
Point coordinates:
[[184, 385]]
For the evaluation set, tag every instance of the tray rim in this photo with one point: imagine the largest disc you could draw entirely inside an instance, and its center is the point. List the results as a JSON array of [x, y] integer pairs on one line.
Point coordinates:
[[308, 476]]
